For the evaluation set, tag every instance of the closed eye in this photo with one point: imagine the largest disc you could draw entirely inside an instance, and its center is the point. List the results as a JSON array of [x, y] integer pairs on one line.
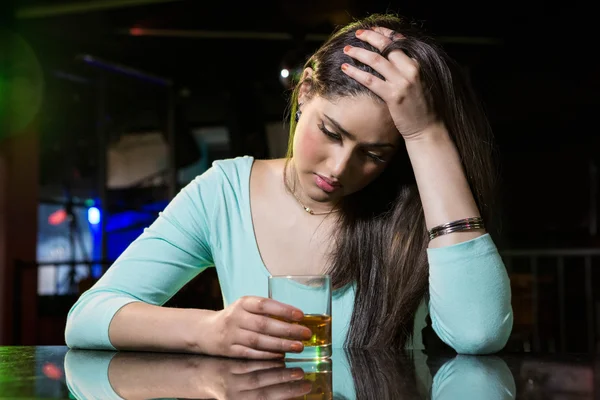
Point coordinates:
[[376, 158], [337, 137], [328, 133]]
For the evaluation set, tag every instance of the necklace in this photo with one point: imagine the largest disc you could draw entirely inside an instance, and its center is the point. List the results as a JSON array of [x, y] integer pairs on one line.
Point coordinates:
[[307, 209], [310, 210]]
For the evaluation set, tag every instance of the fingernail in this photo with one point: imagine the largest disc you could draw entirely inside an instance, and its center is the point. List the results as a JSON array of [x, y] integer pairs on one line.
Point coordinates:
[[344, 67], [347, 48], [297, 347], [297, 374], [297, 314], [359, 32], [307, 333], [306, 387]]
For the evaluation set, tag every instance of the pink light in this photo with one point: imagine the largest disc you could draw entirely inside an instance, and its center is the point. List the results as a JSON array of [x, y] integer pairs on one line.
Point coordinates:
[[136, 31], [52, 371], [57, 217]]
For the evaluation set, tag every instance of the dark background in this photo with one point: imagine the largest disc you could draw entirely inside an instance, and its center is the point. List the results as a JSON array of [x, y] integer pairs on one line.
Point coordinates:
[[533, 65]]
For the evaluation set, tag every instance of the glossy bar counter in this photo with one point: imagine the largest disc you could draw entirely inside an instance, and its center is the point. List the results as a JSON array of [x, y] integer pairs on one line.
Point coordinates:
[[55, 372]]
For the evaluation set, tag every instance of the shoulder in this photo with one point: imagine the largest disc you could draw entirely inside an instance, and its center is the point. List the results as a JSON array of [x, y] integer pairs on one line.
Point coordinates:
[[267, 170], [237, 171], [224, 183], [233, 165], [230, 170], [233, 174]]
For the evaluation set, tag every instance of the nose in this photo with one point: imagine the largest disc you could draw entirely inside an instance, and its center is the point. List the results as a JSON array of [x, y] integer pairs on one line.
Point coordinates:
[[340, 162]]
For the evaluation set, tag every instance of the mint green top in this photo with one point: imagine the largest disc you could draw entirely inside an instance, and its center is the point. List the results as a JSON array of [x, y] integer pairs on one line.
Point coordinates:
[[209, 224]]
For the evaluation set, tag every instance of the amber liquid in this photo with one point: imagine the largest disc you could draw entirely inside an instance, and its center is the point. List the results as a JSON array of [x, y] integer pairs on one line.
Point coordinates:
[[322, 387], [319, 325]]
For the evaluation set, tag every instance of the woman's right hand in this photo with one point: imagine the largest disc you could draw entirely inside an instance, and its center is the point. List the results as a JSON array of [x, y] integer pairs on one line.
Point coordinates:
[[247, 329]]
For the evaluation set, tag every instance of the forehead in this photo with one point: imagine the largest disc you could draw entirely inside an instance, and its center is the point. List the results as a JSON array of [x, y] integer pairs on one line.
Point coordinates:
[[363, 116]]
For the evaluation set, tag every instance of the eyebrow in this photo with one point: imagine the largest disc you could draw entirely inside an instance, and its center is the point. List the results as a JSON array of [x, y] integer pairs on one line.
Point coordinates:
[[352, 137]]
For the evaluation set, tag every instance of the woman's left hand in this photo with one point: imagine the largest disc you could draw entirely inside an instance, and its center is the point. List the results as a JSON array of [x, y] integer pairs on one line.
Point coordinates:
[[401, 90]]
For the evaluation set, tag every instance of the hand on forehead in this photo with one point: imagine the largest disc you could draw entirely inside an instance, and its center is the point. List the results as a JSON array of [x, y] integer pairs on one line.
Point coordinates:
[[379, 36]]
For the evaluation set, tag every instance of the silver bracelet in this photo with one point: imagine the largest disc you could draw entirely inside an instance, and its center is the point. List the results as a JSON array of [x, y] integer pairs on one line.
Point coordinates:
[[460, 225]]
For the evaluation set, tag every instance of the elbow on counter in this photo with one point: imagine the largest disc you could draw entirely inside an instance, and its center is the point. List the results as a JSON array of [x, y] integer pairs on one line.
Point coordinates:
[[72, 340], [78, 329], [75, 335], [484, 338], [90, 317]]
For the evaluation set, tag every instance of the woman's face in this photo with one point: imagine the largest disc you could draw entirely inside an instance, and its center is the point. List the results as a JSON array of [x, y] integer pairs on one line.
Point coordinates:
[[341, 146]]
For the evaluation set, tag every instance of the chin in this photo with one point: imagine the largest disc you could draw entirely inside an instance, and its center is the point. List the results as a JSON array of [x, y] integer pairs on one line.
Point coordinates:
[[322, 197], [318, 195]]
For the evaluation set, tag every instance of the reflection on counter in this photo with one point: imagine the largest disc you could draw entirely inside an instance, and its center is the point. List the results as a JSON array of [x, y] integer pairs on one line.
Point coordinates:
[[55, 372], [351, 374]]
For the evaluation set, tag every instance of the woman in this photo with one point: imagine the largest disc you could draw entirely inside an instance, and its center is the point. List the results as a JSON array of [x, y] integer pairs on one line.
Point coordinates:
[[387, 145]]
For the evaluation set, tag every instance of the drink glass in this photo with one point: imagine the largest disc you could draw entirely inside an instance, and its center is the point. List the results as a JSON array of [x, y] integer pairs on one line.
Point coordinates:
[[312, 295], [319, 373]]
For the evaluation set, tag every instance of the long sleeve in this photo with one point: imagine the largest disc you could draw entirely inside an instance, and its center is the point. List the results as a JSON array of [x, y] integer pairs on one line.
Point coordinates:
[[167, 255], [470, 298]]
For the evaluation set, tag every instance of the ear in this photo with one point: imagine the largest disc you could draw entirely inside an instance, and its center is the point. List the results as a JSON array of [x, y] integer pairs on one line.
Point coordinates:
[[305, 86]]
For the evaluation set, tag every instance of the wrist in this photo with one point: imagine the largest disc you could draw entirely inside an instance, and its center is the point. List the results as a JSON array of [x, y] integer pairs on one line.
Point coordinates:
[[433, 142], [196, 333], [435, 132]]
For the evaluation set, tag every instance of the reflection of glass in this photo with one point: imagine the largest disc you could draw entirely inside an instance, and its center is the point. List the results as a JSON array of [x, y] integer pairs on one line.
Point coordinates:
[[312, 295], [319, 374]]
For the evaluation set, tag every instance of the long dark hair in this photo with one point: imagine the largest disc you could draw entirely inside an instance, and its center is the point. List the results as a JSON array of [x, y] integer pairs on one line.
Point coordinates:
[[381, 236]]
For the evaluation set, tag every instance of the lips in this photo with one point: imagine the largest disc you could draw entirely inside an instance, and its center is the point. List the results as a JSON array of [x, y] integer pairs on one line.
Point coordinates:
[[329, 181], [325, 184]]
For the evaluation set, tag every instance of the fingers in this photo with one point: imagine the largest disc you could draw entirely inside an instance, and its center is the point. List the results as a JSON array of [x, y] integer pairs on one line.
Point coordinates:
[[260, 341], [397, 57], [374, 60], [374, 38], [408, 67], [390, 34], [240, 351], [378, 37], [290, 390], [264, 378], [372, 82], [240, 367], [396, 63], [273, 327], [264, 306], [250, 333]]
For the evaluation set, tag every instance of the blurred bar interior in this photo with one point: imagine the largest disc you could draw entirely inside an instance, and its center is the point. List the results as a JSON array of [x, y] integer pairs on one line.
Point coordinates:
[[107, 108]]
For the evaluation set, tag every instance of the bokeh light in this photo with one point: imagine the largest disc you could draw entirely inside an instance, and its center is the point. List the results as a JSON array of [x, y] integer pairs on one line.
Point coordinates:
[[21, 83]]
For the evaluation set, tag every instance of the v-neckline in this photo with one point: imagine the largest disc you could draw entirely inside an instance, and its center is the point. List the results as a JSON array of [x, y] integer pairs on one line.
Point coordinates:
[[248, 205], [258, 255]]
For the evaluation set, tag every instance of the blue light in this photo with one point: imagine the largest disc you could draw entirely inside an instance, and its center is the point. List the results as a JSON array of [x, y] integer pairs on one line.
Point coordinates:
[[93, 215]]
